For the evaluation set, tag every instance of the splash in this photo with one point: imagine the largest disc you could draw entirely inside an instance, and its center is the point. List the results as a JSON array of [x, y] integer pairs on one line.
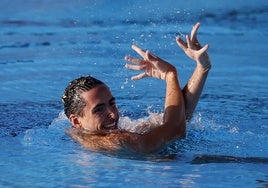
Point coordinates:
[[51, 135], [141, 125]]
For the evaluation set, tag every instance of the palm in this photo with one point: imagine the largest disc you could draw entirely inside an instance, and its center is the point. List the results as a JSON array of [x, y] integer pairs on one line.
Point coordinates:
[[153, 66]]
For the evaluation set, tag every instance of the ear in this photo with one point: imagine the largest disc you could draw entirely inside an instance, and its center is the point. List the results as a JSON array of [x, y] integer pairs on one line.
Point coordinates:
[[74, 121]]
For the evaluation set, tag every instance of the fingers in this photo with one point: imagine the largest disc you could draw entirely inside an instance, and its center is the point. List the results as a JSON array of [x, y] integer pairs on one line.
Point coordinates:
[[134, 60], [147, 56], [140, 76], [202, 50], [181, 43], [139, 50], [194, 32], [189, 42], [135, 67], [140, 63]]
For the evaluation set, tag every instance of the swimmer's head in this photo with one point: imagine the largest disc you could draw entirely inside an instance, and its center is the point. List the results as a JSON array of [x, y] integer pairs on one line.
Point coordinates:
[[72, 100]]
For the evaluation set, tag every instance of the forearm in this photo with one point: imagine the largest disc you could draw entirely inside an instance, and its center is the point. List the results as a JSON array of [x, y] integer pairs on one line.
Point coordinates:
[[194, 88], [174, 114], [173, 122]]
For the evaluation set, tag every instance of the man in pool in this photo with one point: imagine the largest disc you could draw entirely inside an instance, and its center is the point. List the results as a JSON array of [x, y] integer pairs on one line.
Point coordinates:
[[91, 108]]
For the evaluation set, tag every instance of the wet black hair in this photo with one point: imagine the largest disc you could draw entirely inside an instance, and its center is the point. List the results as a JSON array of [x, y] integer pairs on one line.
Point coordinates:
[[71, 98]]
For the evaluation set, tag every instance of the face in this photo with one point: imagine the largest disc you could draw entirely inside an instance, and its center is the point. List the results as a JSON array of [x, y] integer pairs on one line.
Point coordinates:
[[100, 112]]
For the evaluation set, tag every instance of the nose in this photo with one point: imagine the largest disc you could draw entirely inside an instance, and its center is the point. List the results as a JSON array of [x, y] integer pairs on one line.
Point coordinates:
[[110, 113]]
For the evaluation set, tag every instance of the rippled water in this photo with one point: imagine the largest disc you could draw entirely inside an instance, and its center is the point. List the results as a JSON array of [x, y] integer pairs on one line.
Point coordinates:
[[45, 44]]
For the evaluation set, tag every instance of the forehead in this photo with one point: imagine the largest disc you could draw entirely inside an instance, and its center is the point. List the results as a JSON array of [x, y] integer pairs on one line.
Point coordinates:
[[99, 94]]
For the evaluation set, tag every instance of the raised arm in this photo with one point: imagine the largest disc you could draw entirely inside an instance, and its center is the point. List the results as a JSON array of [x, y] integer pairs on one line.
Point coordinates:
[[174, 113], [194, 87]]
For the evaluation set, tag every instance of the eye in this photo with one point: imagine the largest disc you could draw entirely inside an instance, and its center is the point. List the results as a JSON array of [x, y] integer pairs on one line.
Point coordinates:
[[98, 109]]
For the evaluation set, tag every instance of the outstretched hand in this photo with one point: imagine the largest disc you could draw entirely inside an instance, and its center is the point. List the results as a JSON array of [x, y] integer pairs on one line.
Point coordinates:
[[152, 65], [194, 50]]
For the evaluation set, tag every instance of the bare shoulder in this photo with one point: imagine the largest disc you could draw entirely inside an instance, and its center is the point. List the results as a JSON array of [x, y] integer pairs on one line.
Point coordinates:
[[115, 141]]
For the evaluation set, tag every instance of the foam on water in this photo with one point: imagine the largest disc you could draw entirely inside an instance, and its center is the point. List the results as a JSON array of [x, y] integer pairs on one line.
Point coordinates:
[[56, 130]]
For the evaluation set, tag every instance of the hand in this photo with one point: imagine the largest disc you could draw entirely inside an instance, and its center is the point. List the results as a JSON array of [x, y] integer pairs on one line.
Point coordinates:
[[151, 64], [194, 50]]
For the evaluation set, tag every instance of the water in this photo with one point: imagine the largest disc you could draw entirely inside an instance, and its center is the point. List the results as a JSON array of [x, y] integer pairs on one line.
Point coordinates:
[[45, 44]]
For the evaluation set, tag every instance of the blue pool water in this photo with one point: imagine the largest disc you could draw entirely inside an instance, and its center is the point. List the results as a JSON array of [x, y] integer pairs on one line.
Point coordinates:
[[45, 44]]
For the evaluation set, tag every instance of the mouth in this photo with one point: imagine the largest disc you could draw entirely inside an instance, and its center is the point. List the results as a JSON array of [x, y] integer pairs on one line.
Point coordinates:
[[110, 126]]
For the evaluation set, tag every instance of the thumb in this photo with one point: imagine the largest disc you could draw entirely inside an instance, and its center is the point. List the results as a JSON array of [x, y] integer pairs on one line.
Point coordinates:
[[202, 50]]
